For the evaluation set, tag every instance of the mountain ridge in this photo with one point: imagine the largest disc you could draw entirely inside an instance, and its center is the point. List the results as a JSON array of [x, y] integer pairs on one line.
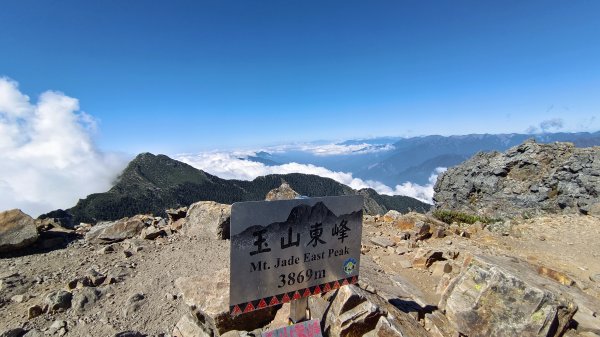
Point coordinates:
[[153, 183]]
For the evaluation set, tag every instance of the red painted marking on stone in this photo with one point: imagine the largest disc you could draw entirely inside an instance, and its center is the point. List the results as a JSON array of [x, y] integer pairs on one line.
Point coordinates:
[[249, 307], [296, 295], [336, 285], [354, 279], [285, 298], [306, 293], [326, 288], [274, 301], [317, 290], [237, 310], [262, 304]]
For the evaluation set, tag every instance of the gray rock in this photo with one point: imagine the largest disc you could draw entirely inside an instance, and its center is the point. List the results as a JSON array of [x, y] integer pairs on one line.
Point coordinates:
[[526, 180], [208, 219], [58, 301], [595, 278], [34, 333], [354, 312], [133, 304], [85, 299], [34, 311], [17, 230], [494, 298], [382, 241], [283, 192], [190, 325], [58, 327], [115, 231]]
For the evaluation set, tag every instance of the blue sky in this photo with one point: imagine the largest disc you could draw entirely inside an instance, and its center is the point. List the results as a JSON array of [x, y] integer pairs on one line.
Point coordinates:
[[182, 76]]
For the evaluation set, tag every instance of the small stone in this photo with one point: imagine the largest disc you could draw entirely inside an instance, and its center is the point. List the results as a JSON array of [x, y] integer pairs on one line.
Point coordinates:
[[382, 241], [127, 253], [33, 333], [401, 250], [542, 238], [59, 327], [107, 250], [58, 300], [424, 258], [34, 311], [404, 263], [595, 278], [19, 298], [449, 242], [441, 268]]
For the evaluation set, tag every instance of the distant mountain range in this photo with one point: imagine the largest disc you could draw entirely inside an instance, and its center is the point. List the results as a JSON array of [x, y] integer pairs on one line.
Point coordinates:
[[153, 183], [414, 159]]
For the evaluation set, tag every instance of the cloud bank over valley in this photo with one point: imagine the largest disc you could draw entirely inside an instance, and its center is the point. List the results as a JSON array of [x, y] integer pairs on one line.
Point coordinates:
[[236, 165]]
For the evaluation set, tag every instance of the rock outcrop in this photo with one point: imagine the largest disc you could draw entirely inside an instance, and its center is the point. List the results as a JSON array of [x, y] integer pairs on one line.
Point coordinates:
[[208, 219], [114, 231], [283, 192], [17, 230], [494, 297], [527, 180]]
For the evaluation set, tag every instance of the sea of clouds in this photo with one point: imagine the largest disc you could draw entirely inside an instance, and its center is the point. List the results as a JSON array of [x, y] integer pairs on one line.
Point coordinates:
[[49, 160], [47, 157], [236, 165]]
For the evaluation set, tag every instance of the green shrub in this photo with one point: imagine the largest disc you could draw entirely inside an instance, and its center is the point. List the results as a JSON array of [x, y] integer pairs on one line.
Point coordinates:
[[449, 217]]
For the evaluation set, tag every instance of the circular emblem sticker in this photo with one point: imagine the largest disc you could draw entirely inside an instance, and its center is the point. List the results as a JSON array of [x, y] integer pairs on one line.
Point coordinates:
[[349, 266]]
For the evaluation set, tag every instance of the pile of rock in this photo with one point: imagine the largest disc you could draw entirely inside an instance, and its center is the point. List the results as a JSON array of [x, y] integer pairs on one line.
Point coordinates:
[[526, 180]]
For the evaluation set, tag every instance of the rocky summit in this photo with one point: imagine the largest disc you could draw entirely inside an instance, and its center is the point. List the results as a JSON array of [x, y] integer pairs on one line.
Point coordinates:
[[446, 273], [526, 180]]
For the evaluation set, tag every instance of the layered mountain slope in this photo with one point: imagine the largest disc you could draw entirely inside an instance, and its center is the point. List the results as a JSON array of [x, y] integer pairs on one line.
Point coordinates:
[[153, 183]]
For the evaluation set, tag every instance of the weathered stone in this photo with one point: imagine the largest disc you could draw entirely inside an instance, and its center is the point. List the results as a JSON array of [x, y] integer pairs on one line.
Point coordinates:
[[20, 298], [95, 277], [487, 300], [422, 230], [133, 304], [34, 311], [424, 258], [191, 326], [557, 276], [59, 300], [440, 268], [283, 192], [34, 333], [151, 233], [354, 312], [85, 298], [115, 231], [210, 295], [392, 216], [58, 327], [176, 214], [17, 230], [438, 325], [595, 278], [536, 179], [382, 241], [208, 219]]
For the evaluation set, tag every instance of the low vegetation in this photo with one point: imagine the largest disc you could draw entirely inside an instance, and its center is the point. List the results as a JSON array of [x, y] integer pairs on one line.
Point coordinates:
[[449, 217]]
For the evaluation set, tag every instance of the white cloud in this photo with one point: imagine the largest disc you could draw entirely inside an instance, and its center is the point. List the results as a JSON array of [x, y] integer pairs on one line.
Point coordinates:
[[338, 149], [48, 158], [232, 165]]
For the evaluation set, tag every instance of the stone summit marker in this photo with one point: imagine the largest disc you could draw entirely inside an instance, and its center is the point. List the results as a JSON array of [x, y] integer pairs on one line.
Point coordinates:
[[290, 249]]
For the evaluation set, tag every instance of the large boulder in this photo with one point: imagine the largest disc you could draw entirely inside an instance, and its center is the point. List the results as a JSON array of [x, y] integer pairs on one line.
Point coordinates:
[[208, 295], [115, 231], [351, 311], [17, 230], [283, 192], [494, 296], [208, 219], [526, 180]]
